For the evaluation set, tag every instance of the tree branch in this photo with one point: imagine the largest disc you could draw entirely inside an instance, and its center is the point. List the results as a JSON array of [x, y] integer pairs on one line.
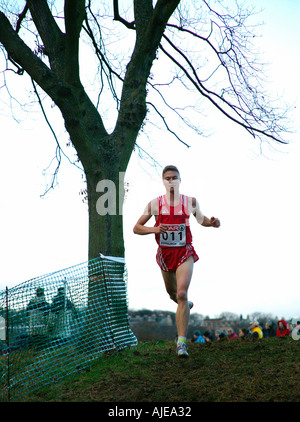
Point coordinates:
[[21, 17], [59, 149], [117, 17], [105, 66], [208, 94], [150, 26], [74, 17], [167, 126], [162, 12], [138, 69], [21, 54], [50, 33], [175, 109]]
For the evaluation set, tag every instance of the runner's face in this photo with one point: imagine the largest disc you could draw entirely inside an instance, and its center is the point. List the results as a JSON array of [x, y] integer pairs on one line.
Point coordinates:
[[171, 181]]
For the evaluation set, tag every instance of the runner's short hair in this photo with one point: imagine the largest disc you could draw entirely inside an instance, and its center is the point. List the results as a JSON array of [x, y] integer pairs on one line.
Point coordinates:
[[170, 168]]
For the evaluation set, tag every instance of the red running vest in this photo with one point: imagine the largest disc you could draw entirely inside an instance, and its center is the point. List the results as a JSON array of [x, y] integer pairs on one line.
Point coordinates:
[[177, 218]]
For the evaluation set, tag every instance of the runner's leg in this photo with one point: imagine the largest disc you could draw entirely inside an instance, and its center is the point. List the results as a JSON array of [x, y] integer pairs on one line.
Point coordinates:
[[170, 284], [177, 284], [183, 276]]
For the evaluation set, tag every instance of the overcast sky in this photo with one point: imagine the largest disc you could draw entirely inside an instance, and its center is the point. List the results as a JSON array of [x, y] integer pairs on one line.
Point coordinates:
[[250, 264]]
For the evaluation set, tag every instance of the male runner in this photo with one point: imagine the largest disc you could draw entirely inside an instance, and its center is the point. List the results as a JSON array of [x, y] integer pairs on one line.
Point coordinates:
[[175, 254]]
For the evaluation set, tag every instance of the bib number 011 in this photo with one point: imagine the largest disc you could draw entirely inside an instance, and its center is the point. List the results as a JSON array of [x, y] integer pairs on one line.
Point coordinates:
[[174, 236]]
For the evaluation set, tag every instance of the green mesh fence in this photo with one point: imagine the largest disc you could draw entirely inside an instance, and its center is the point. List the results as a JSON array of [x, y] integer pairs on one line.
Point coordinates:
[[55, 325]]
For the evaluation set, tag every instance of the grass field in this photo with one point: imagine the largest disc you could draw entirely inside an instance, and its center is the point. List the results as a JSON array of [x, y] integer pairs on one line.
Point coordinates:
[[264, 370]]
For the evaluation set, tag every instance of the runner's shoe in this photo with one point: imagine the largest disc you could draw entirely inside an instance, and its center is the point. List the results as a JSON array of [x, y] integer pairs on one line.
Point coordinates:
[[181, 350]]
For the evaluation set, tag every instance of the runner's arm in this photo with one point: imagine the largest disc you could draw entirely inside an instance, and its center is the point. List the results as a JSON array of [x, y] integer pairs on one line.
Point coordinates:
[[201, 218], [150, 210]]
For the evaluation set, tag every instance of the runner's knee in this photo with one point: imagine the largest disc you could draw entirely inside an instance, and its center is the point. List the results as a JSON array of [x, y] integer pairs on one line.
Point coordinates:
[[173, 295], [182, 295]]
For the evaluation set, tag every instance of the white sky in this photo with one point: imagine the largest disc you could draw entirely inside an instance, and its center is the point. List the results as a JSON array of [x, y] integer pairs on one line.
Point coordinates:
[[250, 264]]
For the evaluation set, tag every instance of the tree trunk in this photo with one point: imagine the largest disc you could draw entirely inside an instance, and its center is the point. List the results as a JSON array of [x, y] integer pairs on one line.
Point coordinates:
[[105, 200]]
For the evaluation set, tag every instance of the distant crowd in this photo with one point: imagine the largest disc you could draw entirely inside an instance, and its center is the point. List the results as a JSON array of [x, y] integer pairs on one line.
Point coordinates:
[[255, 330]]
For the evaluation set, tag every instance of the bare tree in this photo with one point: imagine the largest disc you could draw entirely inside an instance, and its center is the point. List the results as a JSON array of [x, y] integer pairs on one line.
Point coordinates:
[[229, 316], [206, 46]]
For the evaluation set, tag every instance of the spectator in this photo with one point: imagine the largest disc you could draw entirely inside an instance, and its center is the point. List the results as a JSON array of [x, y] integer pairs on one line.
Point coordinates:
[[61, 302], [290, 327], [208, 337], [63, 313], [243, 333], [269, 331], [282, 330], [219, 335], [197, 337], [255, 330], [38, 312], [231, 335]]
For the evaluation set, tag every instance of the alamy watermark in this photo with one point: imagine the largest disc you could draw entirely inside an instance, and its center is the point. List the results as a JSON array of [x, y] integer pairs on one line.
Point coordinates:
[[108, 203], [111, 199]]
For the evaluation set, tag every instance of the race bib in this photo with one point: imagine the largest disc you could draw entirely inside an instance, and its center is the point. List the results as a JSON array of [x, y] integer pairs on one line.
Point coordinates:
[[174, 236]]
